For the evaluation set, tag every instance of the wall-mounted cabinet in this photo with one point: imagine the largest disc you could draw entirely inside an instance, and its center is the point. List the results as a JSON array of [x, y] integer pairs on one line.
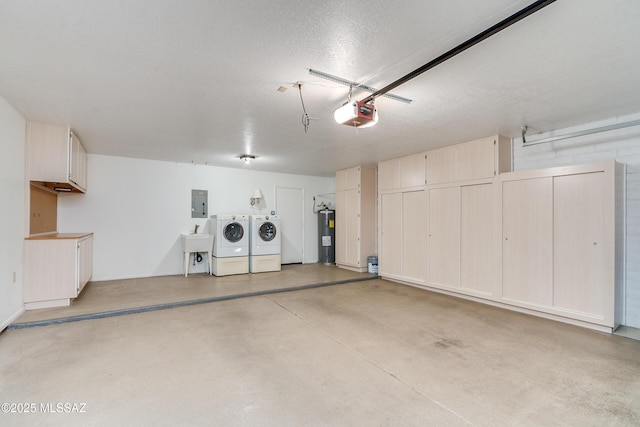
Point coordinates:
[[355, 217], [57, 267], [56, 157], [479, 159], [402, 172]]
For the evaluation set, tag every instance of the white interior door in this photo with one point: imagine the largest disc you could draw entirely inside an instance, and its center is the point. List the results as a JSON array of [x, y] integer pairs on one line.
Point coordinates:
[[290, 208]]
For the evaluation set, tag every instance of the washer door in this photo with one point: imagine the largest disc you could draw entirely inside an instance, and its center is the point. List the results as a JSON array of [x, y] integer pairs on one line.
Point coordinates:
[[267, 231], [233, 232]]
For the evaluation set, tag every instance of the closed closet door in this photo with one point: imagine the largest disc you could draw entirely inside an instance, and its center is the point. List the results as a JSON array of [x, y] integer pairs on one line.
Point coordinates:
[[390, 257], [578, 243], [476, 231], [527, 246], [413, 235], [444, 237]]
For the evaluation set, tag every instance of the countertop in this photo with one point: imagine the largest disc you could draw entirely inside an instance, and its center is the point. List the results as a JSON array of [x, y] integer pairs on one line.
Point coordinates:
[[56, 236]]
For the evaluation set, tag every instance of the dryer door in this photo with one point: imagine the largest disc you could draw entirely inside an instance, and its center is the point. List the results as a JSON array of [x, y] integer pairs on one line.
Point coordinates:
[[267, 231], [233, 232]]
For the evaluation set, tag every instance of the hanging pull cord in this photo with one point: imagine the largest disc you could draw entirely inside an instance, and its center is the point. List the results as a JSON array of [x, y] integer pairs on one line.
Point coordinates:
[[305, 117]]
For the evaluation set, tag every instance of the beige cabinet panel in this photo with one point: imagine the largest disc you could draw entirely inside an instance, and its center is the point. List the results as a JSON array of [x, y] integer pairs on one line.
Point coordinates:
[[56, 269], [389, 175], [56, 157], [479, 159], [444, 237], [527, 250], [579, 243], [391, 235], [476, 233], [476, 159], [413, 235], [348, 179], [356, 217], [353, 227], [412, 170], [442, 165], [85, 262], [341, 226], [78, 163]]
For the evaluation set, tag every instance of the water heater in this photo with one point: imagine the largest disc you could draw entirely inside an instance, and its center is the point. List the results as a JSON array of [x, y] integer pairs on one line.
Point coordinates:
[[326, 236]]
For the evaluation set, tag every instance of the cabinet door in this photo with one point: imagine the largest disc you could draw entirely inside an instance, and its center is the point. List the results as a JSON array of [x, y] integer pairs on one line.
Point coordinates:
[[77, 162], [444, 237], [352, 250], [352, 179], [388, 175], [341, 227], [579, 275], [48, 147], [476, 159], [412, 170], [476, 220], [391, 235], [527, 218], [413, 235], [85, 262], [441, 165]]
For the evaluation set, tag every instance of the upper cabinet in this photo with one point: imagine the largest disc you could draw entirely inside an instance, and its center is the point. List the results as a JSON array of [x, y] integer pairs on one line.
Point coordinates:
[[57, 159], [479, 159], [403, 172]]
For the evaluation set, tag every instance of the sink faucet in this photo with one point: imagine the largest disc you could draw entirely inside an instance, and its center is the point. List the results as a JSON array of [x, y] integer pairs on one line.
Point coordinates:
[[196, 232]]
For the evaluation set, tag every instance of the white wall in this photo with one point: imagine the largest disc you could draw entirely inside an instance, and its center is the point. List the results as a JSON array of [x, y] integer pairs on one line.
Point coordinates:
[[12, 211], [138, 209], [622, 145]]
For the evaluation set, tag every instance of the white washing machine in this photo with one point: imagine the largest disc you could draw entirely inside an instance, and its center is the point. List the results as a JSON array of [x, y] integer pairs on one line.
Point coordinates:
[[265, 244], [230, 244]]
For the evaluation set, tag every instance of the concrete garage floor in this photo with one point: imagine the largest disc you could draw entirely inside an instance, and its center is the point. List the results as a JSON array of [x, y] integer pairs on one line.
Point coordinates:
[[363, 353]]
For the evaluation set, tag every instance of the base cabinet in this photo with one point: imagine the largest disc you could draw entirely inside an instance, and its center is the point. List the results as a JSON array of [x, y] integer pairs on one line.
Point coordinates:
[[402, 236], [460, 250], [560, 239], [57, 267]]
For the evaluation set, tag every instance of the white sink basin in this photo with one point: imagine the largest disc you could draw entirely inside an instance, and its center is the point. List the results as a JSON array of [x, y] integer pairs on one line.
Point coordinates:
[[197, 242]]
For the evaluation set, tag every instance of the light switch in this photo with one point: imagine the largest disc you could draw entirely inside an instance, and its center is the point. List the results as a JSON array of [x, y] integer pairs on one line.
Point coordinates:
[[199, 203]]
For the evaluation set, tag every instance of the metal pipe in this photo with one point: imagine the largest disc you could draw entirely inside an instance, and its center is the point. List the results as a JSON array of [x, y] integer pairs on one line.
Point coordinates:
[[534, 7], [582, 133]]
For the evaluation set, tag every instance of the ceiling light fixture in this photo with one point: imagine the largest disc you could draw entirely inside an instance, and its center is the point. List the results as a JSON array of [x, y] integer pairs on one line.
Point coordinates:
[[247, 157], [357, 114]]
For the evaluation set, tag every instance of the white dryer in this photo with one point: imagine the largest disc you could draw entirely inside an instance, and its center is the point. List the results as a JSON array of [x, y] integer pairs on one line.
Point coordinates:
[[230, 244], [265, 244]]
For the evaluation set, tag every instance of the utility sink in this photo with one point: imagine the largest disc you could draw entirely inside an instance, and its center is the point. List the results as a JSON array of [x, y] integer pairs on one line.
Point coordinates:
[[197, 242]]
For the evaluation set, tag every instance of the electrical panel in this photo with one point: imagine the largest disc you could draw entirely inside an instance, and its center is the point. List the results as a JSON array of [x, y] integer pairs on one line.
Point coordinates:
[[199, 203]]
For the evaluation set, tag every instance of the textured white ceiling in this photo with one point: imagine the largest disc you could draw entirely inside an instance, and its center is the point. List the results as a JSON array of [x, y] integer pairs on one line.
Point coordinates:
[[196, 81]]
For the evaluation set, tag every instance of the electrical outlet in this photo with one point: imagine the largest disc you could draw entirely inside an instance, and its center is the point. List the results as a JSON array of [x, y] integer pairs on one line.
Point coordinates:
[[14, 277]]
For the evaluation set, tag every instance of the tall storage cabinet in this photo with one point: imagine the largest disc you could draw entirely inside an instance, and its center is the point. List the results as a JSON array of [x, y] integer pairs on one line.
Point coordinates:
[[561, 233], [57, 267], [355, 217]]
